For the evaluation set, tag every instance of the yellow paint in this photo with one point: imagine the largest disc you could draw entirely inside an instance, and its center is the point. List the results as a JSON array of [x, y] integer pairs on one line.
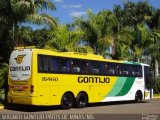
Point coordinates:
[[51, 92]]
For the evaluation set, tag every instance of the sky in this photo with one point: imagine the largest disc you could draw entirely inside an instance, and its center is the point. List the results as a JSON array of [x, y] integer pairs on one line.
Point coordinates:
[[66, 10]]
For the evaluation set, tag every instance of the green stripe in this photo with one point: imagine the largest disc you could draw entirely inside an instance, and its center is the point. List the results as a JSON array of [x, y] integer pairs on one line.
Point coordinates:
[[133, 63], [117, 86], [127, 86]]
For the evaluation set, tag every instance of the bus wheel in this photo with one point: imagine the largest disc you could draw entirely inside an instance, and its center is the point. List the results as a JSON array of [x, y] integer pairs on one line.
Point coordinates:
[[81, 100], [67, 101], [138, 96]]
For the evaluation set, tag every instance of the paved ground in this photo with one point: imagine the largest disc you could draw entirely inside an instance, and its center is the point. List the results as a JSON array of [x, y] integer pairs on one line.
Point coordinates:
[[151, 106]]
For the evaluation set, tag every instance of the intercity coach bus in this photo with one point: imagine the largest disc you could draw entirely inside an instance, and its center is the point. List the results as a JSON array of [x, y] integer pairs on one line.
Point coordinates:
[[43, 77]]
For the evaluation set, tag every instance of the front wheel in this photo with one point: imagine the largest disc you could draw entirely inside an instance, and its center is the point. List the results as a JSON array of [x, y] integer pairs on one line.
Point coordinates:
[[81, 100], [67, 101]]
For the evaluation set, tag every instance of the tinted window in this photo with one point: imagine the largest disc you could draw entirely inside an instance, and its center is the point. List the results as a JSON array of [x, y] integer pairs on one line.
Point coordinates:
[[84, 66], [123, 69], [54, 64], [111, 69], [40, 63], [43, 63], [65, 65], [75, 66], [95, 68], [147, 71], [136, 70], [47, 64]]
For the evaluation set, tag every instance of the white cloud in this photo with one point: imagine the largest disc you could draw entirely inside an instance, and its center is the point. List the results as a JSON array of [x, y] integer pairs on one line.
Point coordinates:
[[77, 14], [58, 0], [72, 6]]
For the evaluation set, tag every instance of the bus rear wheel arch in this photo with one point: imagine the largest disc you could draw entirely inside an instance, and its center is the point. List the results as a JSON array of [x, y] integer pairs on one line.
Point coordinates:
[[81, 100], [67, 100], [138, 96]]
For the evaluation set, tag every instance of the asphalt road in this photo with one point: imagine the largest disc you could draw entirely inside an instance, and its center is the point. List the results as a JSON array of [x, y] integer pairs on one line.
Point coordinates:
[[151, 108]]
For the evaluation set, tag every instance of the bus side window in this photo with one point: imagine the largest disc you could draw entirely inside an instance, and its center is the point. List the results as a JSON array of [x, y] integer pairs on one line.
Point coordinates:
[[139, 69], [136, 70], [105, 68], [54, 64], [147, 71], [46, 64], [65, 65], [95, 67], [43, 63], [40, 63], [111, 69], [123, 70], [84, 67], [75, 66]]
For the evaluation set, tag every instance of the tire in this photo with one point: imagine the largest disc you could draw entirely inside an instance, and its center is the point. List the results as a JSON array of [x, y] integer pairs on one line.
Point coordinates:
[[67, 101], [81, 100], [138, 96]]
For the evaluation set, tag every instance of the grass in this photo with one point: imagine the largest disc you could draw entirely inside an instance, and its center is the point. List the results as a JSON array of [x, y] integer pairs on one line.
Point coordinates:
[[156, 95]]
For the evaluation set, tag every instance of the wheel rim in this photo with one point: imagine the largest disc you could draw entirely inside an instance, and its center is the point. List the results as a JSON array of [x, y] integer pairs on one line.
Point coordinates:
[[67, 100], [82, 101], [137, 97]]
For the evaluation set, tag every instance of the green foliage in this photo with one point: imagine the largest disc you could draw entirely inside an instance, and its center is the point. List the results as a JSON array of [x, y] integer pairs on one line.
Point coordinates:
[[14, 12], [156, 95], [154, 47], [84, 49], [39, 38], [157, 85], [98, 30], [135, 13], [64, 39], [123, 41], [3, 74]]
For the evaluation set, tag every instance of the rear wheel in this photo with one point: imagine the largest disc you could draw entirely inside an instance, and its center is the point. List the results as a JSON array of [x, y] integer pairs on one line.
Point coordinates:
[[81, 100], [138, 96], [67, 101]]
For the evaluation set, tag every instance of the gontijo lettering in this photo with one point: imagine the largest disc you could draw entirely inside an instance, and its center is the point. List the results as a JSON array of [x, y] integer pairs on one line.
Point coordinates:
[[20, 68], [82, 79]]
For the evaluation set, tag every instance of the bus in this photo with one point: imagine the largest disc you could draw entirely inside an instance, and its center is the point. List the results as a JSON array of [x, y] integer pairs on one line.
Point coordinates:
[[46, 78]]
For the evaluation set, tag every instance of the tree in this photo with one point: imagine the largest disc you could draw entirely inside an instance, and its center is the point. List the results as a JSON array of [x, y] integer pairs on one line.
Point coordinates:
[[98, 29], [41, 37], [141, 42], [123, 41], [24, 36], [4, 80], [136, 13], [157, 85], [64, 39], [14, 12], [135, 17], [154, 50], [3, 74]]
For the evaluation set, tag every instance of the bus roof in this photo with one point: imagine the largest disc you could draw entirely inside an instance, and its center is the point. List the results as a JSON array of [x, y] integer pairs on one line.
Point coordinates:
[[74, 55], [79, 55]]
